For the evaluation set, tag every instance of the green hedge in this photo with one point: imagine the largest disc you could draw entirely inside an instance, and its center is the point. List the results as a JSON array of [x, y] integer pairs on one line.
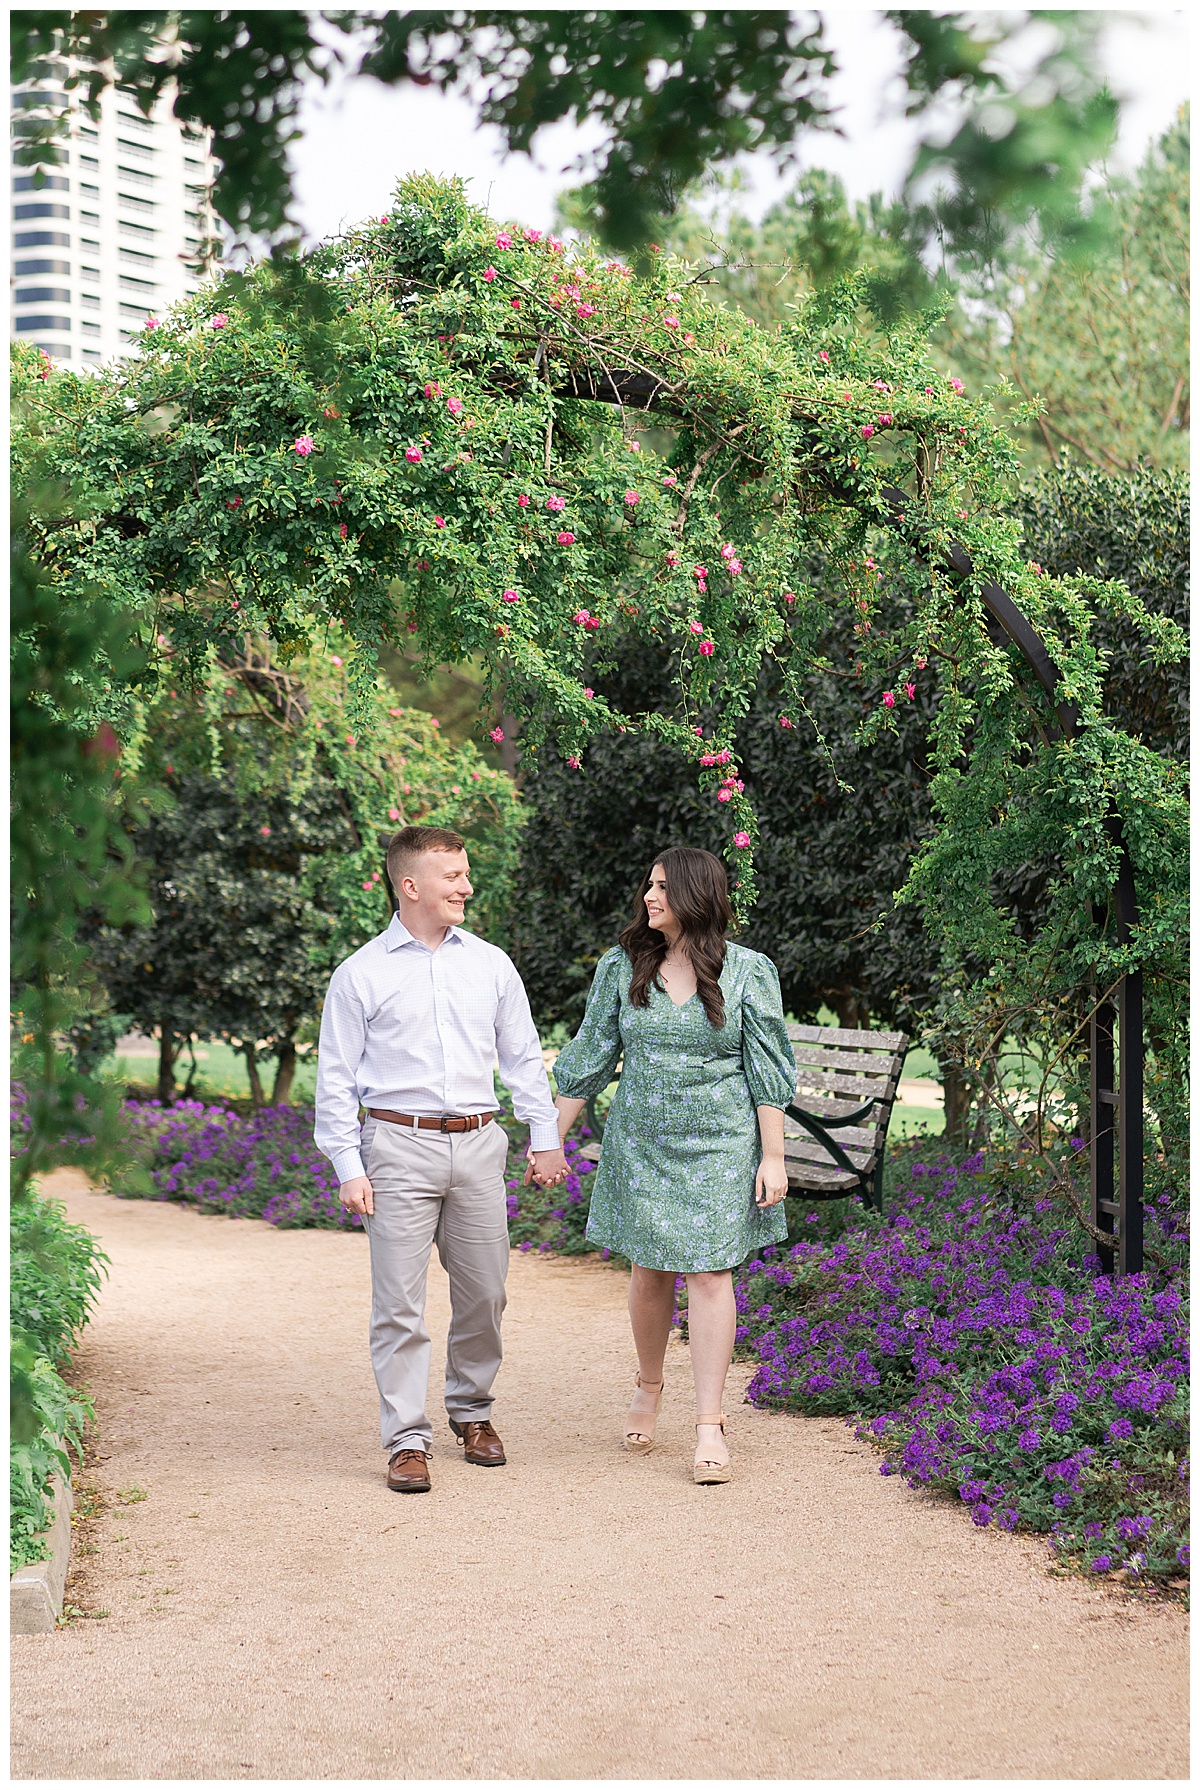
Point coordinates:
[[55, 1272]]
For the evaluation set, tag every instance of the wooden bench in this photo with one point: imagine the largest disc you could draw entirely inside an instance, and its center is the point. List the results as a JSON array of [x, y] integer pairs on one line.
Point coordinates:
[[846, 1085]]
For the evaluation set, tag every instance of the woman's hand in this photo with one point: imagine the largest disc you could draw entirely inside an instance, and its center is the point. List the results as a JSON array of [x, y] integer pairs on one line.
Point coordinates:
[[771, 1182]]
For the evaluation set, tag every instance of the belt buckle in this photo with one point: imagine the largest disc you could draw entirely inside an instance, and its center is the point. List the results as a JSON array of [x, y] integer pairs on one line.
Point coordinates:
[[448, 1119]]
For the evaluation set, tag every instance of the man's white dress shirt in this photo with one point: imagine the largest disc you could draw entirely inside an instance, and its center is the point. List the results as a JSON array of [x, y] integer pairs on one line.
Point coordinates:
[[418, 1031]]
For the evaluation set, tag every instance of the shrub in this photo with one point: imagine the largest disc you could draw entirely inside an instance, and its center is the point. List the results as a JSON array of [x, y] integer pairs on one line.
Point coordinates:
[[55, 1269], [987, 1359]]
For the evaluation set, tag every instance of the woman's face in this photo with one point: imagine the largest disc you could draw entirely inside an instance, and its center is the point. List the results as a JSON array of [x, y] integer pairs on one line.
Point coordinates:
[[658, 908]]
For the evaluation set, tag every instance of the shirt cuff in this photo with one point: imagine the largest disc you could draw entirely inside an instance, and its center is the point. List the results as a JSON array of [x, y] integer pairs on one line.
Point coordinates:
[[348, 1166], [543, 1137]]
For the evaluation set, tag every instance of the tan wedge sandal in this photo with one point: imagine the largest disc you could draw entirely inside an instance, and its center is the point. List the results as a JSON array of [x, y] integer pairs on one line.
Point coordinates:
[[641, 1439], [711, 1472]]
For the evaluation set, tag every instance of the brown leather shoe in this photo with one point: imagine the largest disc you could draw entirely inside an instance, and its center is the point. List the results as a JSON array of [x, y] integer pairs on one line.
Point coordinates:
[[408, 1471], [480, 1443]]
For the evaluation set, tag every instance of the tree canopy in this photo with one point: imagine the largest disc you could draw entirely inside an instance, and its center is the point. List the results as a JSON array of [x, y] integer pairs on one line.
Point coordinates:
[[676, 92]]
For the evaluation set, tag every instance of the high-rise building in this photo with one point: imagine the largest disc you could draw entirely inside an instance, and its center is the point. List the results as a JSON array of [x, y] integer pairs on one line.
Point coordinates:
[[112, 231]]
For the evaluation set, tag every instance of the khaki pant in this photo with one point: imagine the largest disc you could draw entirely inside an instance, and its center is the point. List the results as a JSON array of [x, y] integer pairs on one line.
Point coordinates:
[[445, 1188]]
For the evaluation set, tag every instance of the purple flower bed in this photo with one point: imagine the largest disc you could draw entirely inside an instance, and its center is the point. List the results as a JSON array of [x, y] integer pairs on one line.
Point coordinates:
[[263, 1166], [983, 1351]]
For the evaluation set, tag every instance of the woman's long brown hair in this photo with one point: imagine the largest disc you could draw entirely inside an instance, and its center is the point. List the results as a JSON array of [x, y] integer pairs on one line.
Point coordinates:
[[698, 895]]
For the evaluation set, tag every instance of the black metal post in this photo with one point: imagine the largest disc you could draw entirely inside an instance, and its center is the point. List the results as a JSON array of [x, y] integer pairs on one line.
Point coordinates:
[[1103, 1104], [1130, 1121]]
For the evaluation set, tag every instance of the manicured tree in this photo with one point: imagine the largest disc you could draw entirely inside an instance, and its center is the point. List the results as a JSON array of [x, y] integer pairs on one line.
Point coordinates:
[[266, 864]]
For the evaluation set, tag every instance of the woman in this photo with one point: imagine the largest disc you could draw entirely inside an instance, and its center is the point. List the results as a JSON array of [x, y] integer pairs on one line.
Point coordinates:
[[692, 1174]]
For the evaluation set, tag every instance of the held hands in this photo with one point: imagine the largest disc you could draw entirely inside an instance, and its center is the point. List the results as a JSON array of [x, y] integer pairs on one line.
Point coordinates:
[[547, 1167], [771, 1182], [357, 1196]]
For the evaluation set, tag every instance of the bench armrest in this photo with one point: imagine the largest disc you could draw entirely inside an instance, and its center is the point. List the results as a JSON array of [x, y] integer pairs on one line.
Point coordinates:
[[812, 1124]]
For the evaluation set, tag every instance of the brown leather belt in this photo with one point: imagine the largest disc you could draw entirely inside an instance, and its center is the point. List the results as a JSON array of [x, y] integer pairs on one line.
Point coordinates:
[[448, 1121]]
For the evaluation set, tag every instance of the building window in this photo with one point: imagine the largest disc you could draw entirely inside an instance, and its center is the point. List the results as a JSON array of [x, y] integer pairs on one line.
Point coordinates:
[[21, 212], [85, 242], [88, 190], [90, 299], [127, 283], [22, 269], [89, 328], [92, 354], [136, 257], [89, 162], [89, 273], [89, 217], [42, 295], [141, 176], [41, 239], [29, 326], [144, 232], [44, 183], [135, 148], [132, 200], [87, 133]]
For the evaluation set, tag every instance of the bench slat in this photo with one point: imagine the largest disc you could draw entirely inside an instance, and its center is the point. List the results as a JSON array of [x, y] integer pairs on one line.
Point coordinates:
[[842, 1081], [818, 1101], [839, 1035], [809, 1150], [820, 1058], [810, 1175], [849, 1138]]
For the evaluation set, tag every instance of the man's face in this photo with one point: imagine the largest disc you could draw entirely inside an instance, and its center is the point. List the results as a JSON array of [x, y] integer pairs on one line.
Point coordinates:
[[438, 887]]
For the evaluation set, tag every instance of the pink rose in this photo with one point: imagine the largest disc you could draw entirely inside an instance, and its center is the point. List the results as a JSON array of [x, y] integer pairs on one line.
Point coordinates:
[[784, 722], [233, 503], [581, 618], [303, 445], [439, 522], [672, 558], [510, 596], [522, 502], [393, 813], [741, 840], [724, 795], [554, 244], [574, 763], [368, 885], [433, 389], [910, 691], [689, 339], [556, 503], [412, 454], [565, 538], [631, 497], [150, 323], [706, 649], [823, 354], [635, 447], [496, 734], [434, 722], [503, 240], [921, 664], [219, 321], [889, 701], [868, 429], [789, 597], [700, 571], [585, 310], [489, 274], [589, 694], [885, 421], [454, 405], [515, 303], [533, 236], [735, 566], [343, 530], [265, 831], [728, 550], [956, 385], [670, 481], [671, 322], [696, 627]]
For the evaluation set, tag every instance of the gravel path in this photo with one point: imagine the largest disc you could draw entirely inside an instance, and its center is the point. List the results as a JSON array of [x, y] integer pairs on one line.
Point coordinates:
[[274, 1612]]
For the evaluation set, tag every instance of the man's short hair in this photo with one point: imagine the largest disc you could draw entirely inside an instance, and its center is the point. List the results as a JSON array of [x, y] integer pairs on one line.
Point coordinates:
[[411, 843]]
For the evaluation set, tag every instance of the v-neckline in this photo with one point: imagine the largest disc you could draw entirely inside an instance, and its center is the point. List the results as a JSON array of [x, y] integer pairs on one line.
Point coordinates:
[[680, 1005]]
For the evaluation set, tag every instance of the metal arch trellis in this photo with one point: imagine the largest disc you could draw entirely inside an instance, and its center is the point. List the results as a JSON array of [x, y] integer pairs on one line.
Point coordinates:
[[1117, 1038]]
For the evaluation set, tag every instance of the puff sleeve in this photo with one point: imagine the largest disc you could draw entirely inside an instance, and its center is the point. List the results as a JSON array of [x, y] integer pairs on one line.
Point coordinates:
[[585, 1066], [767, 1056]]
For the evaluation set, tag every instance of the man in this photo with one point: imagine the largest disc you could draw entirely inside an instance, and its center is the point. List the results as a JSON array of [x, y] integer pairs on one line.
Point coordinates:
[[412, 1025]]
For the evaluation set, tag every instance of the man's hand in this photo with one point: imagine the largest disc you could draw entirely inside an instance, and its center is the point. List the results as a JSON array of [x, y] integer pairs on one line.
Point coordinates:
[[357, 1196], [546, 1167]]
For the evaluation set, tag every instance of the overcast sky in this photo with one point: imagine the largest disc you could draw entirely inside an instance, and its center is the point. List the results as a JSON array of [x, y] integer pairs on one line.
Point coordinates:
[[359, 138]]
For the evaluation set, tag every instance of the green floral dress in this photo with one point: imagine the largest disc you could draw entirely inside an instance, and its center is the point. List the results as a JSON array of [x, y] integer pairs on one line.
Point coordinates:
[[675, 1185]]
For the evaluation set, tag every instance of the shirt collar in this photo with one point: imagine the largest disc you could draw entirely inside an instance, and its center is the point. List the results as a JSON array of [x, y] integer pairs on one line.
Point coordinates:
[[398, 935]]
